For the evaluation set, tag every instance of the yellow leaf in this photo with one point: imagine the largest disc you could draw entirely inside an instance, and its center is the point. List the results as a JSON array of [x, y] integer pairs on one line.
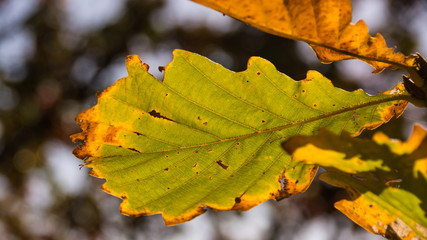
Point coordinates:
[[386, 179], [324, 24]]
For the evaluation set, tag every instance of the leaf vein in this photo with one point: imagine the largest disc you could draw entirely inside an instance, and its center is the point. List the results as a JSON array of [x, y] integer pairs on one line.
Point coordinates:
[[234, 96]]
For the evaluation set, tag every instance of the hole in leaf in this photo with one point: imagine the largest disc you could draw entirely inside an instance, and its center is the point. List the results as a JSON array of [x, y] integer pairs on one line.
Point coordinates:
[[133, 149], [221, 164], [155, 114]]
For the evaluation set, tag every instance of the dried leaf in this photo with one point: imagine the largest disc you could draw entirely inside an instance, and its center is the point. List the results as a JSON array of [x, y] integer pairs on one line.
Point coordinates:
[[324, 24]]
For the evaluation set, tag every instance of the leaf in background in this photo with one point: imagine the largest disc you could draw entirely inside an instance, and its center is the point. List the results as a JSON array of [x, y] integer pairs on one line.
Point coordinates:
[[325, 25], [386, 179], [209, 137]]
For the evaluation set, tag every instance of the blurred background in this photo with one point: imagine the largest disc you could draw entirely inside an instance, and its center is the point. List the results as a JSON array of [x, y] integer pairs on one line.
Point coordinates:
[[56, 54]]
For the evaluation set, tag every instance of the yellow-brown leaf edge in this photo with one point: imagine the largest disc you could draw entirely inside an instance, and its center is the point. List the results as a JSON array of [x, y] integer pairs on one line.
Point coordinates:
[[161, 131], [324, 24]]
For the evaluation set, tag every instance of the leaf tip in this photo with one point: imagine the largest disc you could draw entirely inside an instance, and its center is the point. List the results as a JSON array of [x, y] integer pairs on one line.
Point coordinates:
[[135, 61]]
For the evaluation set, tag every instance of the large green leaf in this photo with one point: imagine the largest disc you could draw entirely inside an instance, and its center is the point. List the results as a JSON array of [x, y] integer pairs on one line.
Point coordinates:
[[386, 179], [208, 137]]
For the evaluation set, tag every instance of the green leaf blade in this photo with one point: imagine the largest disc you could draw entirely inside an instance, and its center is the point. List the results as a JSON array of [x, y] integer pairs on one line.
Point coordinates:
[[209, 137]]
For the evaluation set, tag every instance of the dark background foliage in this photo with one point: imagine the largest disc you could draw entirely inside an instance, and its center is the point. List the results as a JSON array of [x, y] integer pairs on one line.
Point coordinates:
[[53, 62]]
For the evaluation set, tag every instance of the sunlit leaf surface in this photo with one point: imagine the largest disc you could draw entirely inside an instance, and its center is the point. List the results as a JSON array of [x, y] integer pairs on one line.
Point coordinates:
[[325, 25], [209, 137], [386, 179]]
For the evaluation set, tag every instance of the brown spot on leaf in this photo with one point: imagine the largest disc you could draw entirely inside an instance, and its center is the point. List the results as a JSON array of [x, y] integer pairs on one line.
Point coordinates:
[[155, 114], [162, 68], [110, 134], [133, 149], [221, 164], [237, 200]]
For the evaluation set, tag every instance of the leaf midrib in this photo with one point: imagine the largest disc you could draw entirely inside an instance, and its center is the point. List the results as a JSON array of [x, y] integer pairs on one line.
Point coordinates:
[[331, 114]]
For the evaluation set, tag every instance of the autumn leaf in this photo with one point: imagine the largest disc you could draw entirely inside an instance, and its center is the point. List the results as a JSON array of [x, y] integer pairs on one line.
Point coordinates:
[[386, 179], [325, 25], [206, 137]]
